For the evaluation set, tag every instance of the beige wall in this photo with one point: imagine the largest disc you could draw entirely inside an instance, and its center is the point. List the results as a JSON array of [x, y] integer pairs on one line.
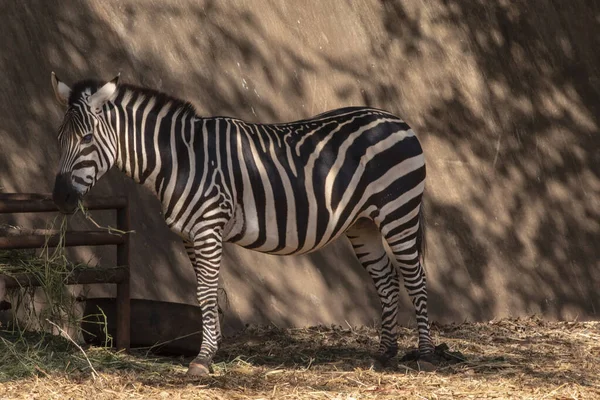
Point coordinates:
[[505, 98]]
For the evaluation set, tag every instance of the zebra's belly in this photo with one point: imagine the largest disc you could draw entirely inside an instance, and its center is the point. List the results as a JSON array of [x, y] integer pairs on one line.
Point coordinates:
[[287, 248], [268, 237]]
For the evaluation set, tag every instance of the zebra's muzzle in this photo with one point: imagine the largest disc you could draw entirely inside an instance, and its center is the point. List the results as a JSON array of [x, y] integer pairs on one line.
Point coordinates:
[[64, 194]]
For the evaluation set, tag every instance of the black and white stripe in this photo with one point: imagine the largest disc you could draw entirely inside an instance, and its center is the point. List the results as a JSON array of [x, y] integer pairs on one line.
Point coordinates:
[[286, 188]]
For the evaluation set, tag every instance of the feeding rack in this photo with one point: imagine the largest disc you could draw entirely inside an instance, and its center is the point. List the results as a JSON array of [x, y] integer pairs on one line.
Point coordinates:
[[11, 203]]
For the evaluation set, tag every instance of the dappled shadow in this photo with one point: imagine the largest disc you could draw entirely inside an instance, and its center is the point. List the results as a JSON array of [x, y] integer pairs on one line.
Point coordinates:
[[505, 98], [272, 347], [528, 155]]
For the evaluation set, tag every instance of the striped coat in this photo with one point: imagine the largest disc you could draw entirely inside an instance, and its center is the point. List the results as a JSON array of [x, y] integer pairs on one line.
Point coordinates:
[[287, 188]]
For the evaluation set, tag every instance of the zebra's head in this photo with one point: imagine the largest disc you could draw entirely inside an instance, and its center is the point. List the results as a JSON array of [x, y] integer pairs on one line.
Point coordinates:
[[87, 150]]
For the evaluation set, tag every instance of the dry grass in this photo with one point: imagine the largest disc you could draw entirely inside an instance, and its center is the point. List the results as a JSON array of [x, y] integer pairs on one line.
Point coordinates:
[[526, 358]]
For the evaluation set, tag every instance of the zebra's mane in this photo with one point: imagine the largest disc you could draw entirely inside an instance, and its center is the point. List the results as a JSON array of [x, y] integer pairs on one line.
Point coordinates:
[[160, 98]]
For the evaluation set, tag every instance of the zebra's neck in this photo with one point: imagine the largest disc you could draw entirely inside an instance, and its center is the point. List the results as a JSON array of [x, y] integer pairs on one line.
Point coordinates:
[[151, 131]]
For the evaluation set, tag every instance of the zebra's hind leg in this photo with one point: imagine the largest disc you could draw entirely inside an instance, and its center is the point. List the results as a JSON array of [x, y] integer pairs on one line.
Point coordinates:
[[402, 240], [367, 243]]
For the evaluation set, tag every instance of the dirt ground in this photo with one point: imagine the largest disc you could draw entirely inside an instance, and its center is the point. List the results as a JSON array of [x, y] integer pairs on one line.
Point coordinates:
[[524, 358]]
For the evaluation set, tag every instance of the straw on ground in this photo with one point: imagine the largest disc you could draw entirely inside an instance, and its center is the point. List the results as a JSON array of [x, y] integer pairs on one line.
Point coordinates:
[[522, 358]]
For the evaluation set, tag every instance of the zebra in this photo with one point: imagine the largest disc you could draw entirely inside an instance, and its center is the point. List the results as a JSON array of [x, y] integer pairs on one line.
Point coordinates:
[[284, 188]]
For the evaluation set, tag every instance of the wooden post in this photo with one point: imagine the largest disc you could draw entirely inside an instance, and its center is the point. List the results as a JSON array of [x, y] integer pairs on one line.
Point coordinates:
[[123, 294]]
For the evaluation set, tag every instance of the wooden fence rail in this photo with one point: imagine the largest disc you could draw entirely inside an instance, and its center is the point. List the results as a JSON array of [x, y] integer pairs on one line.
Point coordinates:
[[34, 203]]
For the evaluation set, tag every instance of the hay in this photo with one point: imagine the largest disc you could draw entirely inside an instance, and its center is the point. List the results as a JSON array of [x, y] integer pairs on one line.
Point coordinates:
[[523, 358], [86, 213], [51, 268]]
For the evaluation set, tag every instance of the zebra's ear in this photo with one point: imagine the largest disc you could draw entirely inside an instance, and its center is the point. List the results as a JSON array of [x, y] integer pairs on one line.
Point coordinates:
[[105, 93], [61, 90]]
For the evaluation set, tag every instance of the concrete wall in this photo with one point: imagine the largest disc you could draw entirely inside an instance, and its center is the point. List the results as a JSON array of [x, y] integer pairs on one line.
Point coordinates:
[[504, 95]]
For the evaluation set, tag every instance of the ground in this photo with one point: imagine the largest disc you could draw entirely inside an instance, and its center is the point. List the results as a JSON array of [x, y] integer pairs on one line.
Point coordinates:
[[524, 358]]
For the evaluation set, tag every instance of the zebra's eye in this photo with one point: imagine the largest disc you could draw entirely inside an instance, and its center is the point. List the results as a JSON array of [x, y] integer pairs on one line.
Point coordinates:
[[87, 138]]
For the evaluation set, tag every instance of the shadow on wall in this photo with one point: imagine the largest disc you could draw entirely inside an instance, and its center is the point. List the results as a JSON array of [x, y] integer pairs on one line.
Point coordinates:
[[505, 98], [527, 220]]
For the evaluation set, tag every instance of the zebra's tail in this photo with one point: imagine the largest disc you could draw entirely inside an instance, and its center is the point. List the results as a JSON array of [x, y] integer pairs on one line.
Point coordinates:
[[421, 240]]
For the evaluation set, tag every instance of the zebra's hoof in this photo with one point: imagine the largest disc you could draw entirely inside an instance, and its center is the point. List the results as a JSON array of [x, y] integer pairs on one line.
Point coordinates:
[[381, 365], [441, 353], [381, 360], [426, 366], [196, 370], [412, 355]]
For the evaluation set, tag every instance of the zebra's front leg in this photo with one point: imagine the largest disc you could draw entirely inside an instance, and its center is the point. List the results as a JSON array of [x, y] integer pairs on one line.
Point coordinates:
[[208, 249], [191, 253]]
